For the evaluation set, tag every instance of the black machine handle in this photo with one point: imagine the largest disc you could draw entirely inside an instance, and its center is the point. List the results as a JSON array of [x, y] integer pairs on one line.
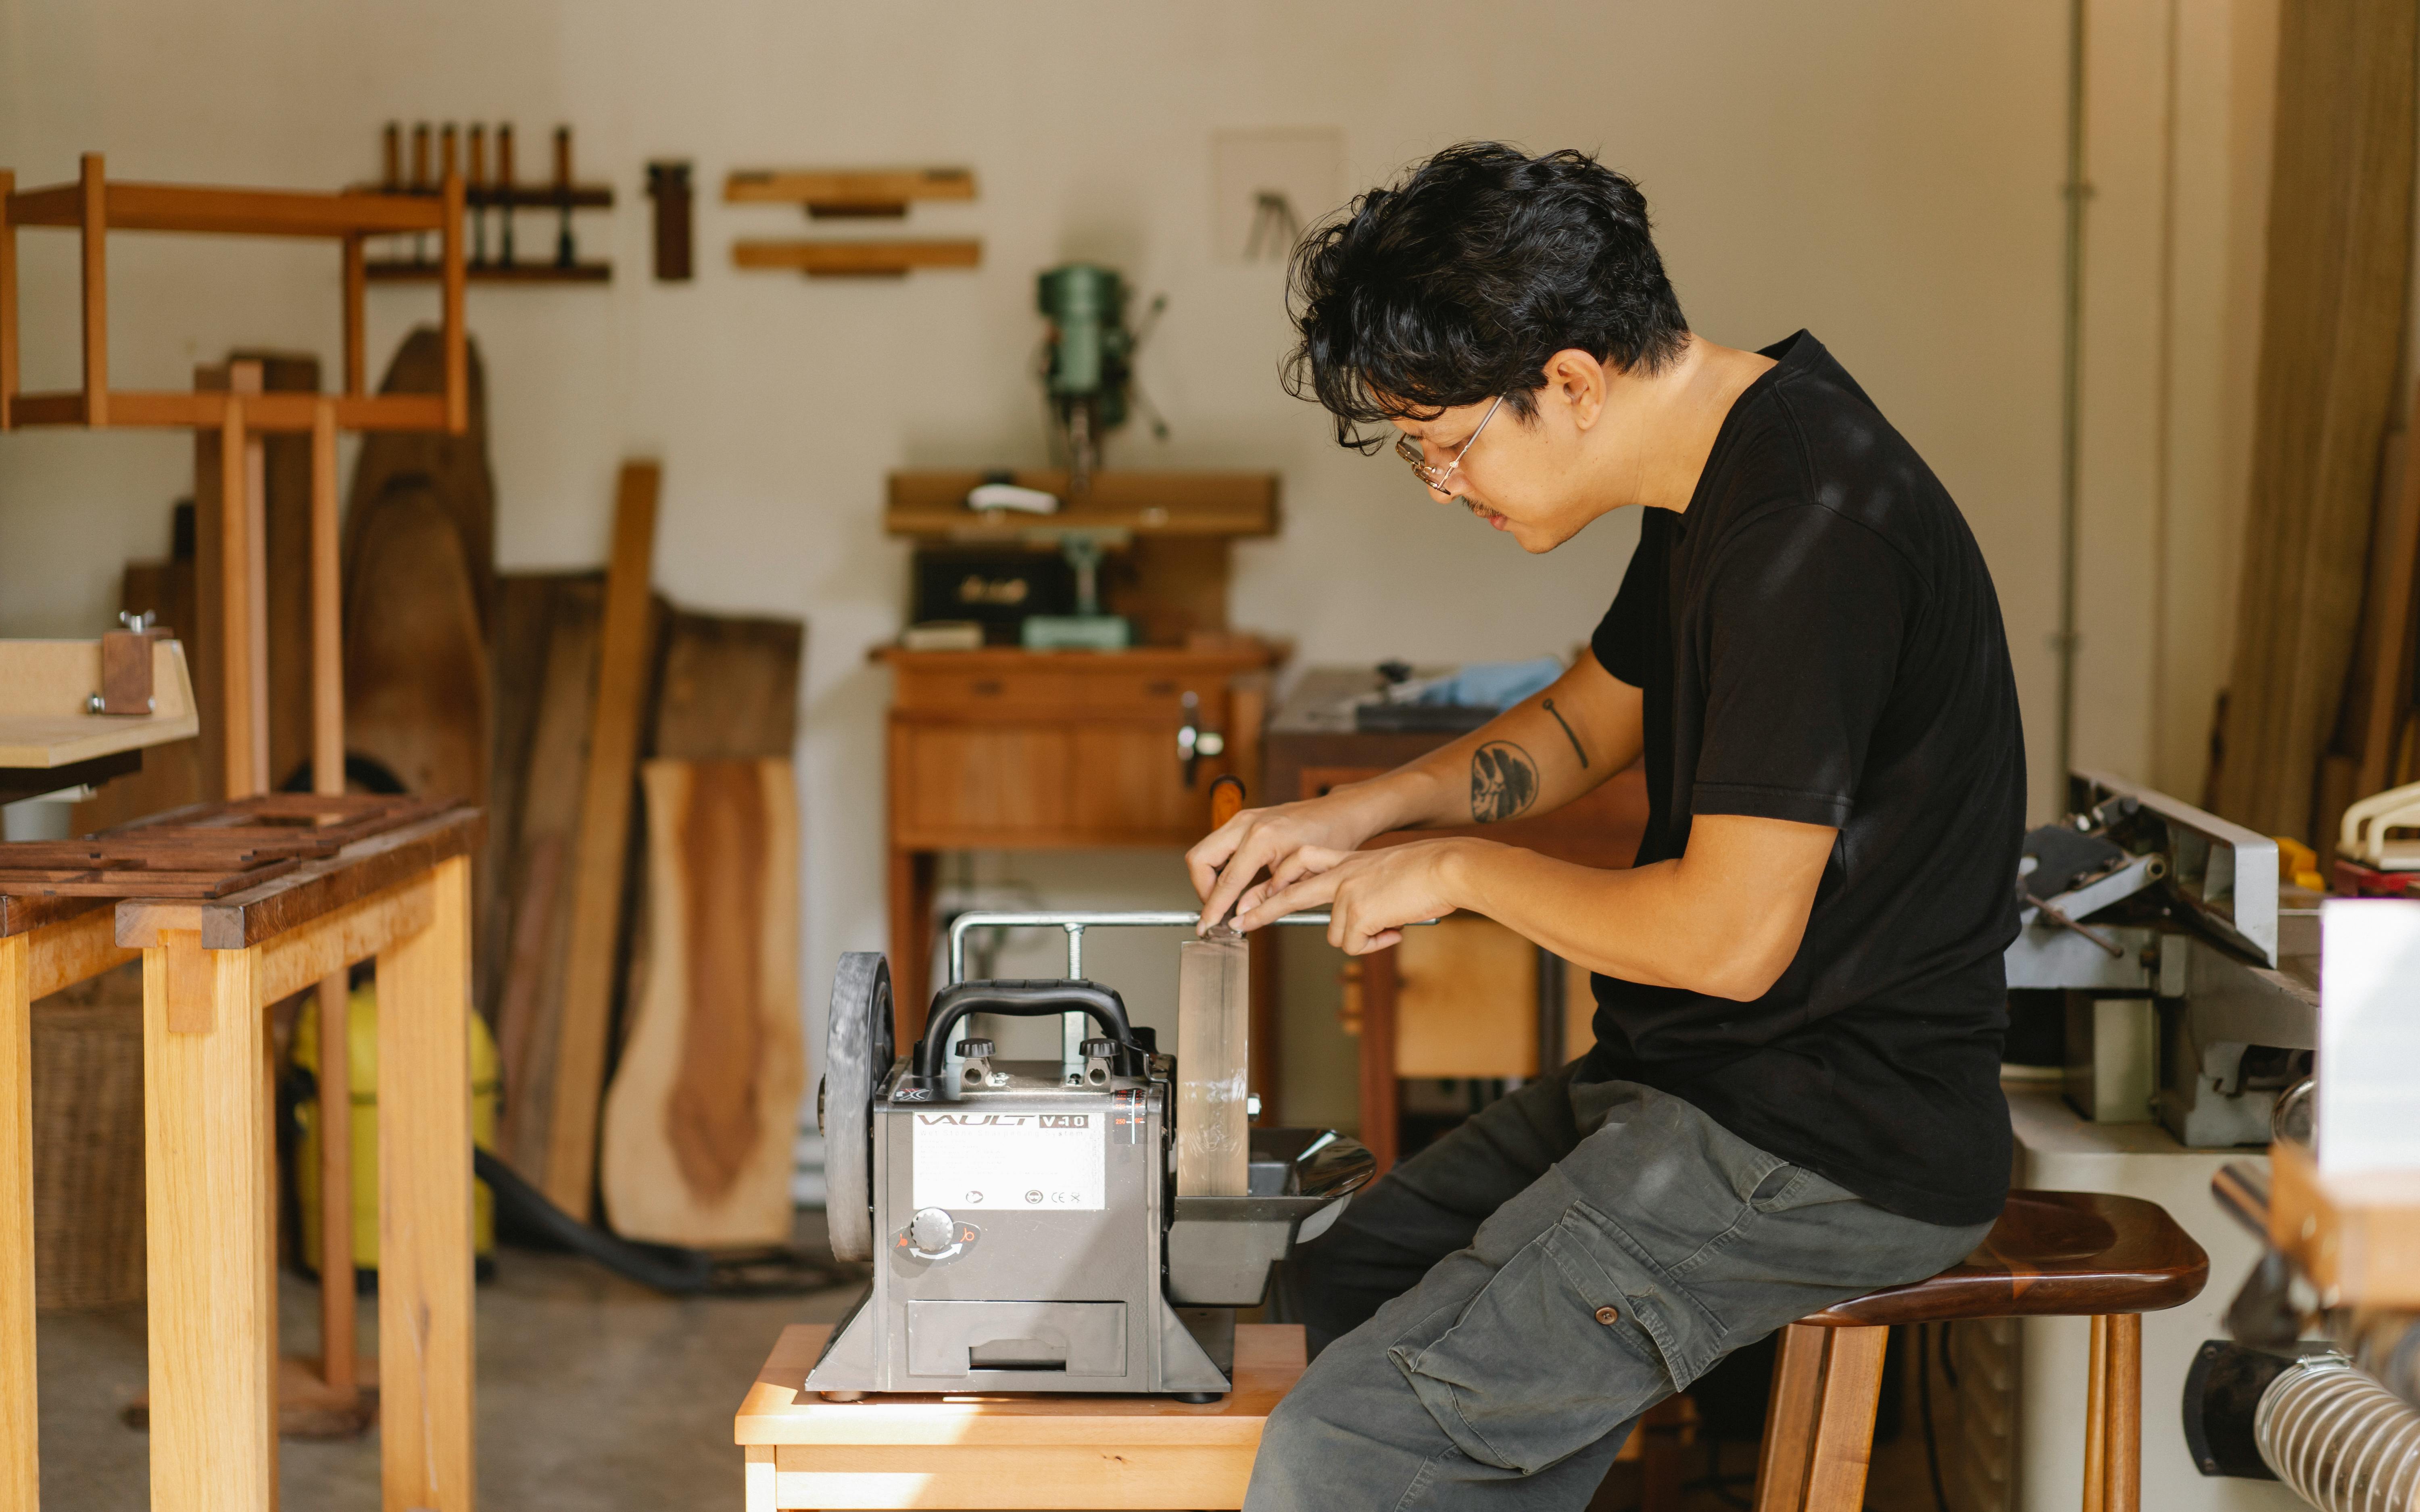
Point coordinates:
[[1020, 999]]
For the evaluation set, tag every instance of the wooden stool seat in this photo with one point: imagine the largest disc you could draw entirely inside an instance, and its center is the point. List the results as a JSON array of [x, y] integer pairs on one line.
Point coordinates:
[[2052, 1254]]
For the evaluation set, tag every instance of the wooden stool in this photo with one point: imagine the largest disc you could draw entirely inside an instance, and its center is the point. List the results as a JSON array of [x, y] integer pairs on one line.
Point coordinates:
[[211, 968], [975, 1451], [2052, 1254]]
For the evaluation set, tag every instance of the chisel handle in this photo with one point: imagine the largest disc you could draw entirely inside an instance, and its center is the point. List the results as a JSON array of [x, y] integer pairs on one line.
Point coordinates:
[[1225, 799]]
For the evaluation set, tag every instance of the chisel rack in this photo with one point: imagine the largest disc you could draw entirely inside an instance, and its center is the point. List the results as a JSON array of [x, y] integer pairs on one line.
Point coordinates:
[[499, 197]]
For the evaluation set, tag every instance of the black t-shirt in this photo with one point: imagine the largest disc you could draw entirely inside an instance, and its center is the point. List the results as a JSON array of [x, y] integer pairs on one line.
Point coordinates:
[[1817, 640]]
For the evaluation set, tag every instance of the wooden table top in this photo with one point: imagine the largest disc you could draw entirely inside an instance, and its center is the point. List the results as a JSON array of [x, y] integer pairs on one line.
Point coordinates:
[[1269, 1358]]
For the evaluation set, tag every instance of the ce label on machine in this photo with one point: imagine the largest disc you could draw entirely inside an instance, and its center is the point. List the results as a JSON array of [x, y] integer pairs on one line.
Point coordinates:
[[1044, 1161]]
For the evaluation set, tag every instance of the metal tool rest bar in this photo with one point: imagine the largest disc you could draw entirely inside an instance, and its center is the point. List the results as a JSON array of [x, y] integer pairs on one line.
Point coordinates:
[[1072, 1029]]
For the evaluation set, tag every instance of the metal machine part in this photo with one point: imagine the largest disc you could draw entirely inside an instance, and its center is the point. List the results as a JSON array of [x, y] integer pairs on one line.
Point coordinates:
[[2341, 1441], [2149, 912], [1026, 1234], [1088, 362], [857, 1055]]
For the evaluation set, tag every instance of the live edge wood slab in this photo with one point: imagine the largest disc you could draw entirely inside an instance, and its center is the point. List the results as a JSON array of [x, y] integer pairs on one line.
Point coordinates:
[[975, 1452]]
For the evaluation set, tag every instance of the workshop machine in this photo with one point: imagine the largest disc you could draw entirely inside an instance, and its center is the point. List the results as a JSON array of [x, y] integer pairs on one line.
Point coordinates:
[[1089, 1224], [1088, 361], [2189, 991]]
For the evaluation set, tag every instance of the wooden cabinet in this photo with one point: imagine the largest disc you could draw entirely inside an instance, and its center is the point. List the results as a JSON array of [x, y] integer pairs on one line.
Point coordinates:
[[1466, 998], [1009, 749]]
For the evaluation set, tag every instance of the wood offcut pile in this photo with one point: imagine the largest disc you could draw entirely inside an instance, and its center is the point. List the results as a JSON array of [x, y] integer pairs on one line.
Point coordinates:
[[635, 920]]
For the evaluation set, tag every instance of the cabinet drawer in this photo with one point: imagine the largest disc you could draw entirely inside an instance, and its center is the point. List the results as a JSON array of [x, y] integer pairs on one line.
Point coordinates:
[[1131, 784], [974, 689], [982, 777], [1124, 692]]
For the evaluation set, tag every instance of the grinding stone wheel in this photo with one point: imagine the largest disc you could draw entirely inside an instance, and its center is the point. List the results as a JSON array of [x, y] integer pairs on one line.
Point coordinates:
[[858, 1050]]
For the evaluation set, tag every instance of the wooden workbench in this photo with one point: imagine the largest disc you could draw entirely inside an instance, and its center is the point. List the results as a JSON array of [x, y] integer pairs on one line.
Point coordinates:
[[210, 969], [979, 1452]]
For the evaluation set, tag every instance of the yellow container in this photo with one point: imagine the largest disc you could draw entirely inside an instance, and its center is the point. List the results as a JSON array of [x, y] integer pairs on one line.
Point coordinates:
[[484, 1081]]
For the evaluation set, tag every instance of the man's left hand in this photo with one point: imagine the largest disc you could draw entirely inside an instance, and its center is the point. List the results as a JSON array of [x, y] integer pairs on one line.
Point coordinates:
[[1369, 895]]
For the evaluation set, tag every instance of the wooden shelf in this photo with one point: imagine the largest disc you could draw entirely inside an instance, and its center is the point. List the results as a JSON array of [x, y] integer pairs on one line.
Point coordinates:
[[407, 272], [260, 212], [856, 259], [516, 197], [44, 688], [829, 193], [932, 505], [207, 409], [93, 206]]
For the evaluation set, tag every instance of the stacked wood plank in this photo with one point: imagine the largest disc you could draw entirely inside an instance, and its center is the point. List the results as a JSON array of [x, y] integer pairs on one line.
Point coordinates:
[[2331, 321], [701, 1112]]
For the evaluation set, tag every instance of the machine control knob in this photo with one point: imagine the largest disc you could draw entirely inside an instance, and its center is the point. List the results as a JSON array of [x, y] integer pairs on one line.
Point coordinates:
[[1102, 1049], [971, 1048], [931, 1231]]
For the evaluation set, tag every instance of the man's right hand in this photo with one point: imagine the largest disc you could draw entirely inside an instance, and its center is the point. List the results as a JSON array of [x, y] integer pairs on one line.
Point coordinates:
[[1230, 858]]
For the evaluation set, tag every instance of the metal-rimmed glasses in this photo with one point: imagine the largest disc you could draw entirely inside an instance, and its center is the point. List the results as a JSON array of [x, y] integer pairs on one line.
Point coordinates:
[[1434, 476]]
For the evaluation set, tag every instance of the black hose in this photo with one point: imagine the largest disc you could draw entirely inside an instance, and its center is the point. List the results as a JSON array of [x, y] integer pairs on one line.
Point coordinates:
[[523, 1211]]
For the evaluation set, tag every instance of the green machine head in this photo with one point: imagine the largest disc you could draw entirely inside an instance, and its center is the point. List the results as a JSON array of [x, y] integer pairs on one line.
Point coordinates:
[[1088, 370]]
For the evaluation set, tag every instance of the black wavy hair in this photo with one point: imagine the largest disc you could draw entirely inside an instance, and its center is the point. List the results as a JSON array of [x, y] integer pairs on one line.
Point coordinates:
[[1455, 285]]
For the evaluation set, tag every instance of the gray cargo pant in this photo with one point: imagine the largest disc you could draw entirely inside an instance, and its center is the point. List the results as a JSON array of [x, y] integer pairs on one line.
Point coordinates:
[[1492, 1317]]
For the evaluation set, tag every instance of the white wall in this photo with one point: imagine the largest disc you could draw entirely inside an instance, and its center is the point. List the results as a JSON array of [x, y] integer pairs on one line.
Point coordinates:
[[1883, 173]]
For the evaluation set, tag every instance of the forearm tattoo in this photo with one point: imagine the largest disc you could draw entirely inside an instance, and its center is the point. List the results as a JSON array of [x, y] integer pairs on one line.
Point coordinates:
[[1503, 781], [1568, 733]]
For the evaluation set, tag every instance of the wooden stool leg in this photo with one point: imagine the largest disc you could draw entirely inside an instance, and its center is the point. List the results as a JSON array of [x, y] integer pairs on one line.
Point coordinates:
[[1789, 1419], [2121, 1395], [425, 1259], [2096, 1420], [1844, 1423], [210, 1179], [20, 1454]]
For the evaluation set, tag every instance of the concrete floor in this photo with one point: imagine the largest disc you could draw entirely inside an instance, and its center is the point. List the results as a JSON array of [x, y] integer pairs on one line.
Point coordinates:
[[594, 1393]]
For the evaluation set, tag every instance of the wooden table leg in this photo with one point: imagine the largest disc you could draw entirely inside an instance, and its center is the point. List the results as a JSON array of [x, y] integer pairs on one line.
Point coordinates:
[[425, 1260], [20, 1454], [1381, 1094], [911, 941], [210, 1179]]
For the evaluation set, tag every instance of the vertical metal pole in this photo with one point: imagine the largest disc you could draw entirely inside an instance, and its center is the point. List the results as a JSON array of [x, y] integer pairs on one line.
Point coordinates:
[[1072, 1025], [2077, 190]]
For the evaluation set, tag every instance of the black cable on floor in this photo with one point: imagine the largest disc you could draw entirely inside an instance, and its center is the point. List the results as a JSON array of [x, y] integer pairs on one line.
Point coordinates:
[[523, 1212]]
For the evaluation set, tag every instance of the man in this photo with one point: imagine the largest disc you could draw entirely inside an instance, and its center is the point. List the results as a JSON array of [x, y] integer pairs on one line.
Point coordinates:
[[1793, 1097]]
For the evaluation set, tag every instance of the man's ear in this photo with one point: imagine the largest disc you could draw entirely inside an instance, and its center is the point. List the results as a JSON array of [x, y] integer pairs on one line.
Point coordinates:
[[1580, 382]]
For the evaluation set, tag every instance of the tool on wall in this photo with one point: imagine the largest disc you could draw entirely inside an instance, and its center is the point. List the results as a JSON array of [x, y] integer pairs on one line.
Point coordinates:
[[1087, 362], [844, 194], [668, 185], [501, 196]]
